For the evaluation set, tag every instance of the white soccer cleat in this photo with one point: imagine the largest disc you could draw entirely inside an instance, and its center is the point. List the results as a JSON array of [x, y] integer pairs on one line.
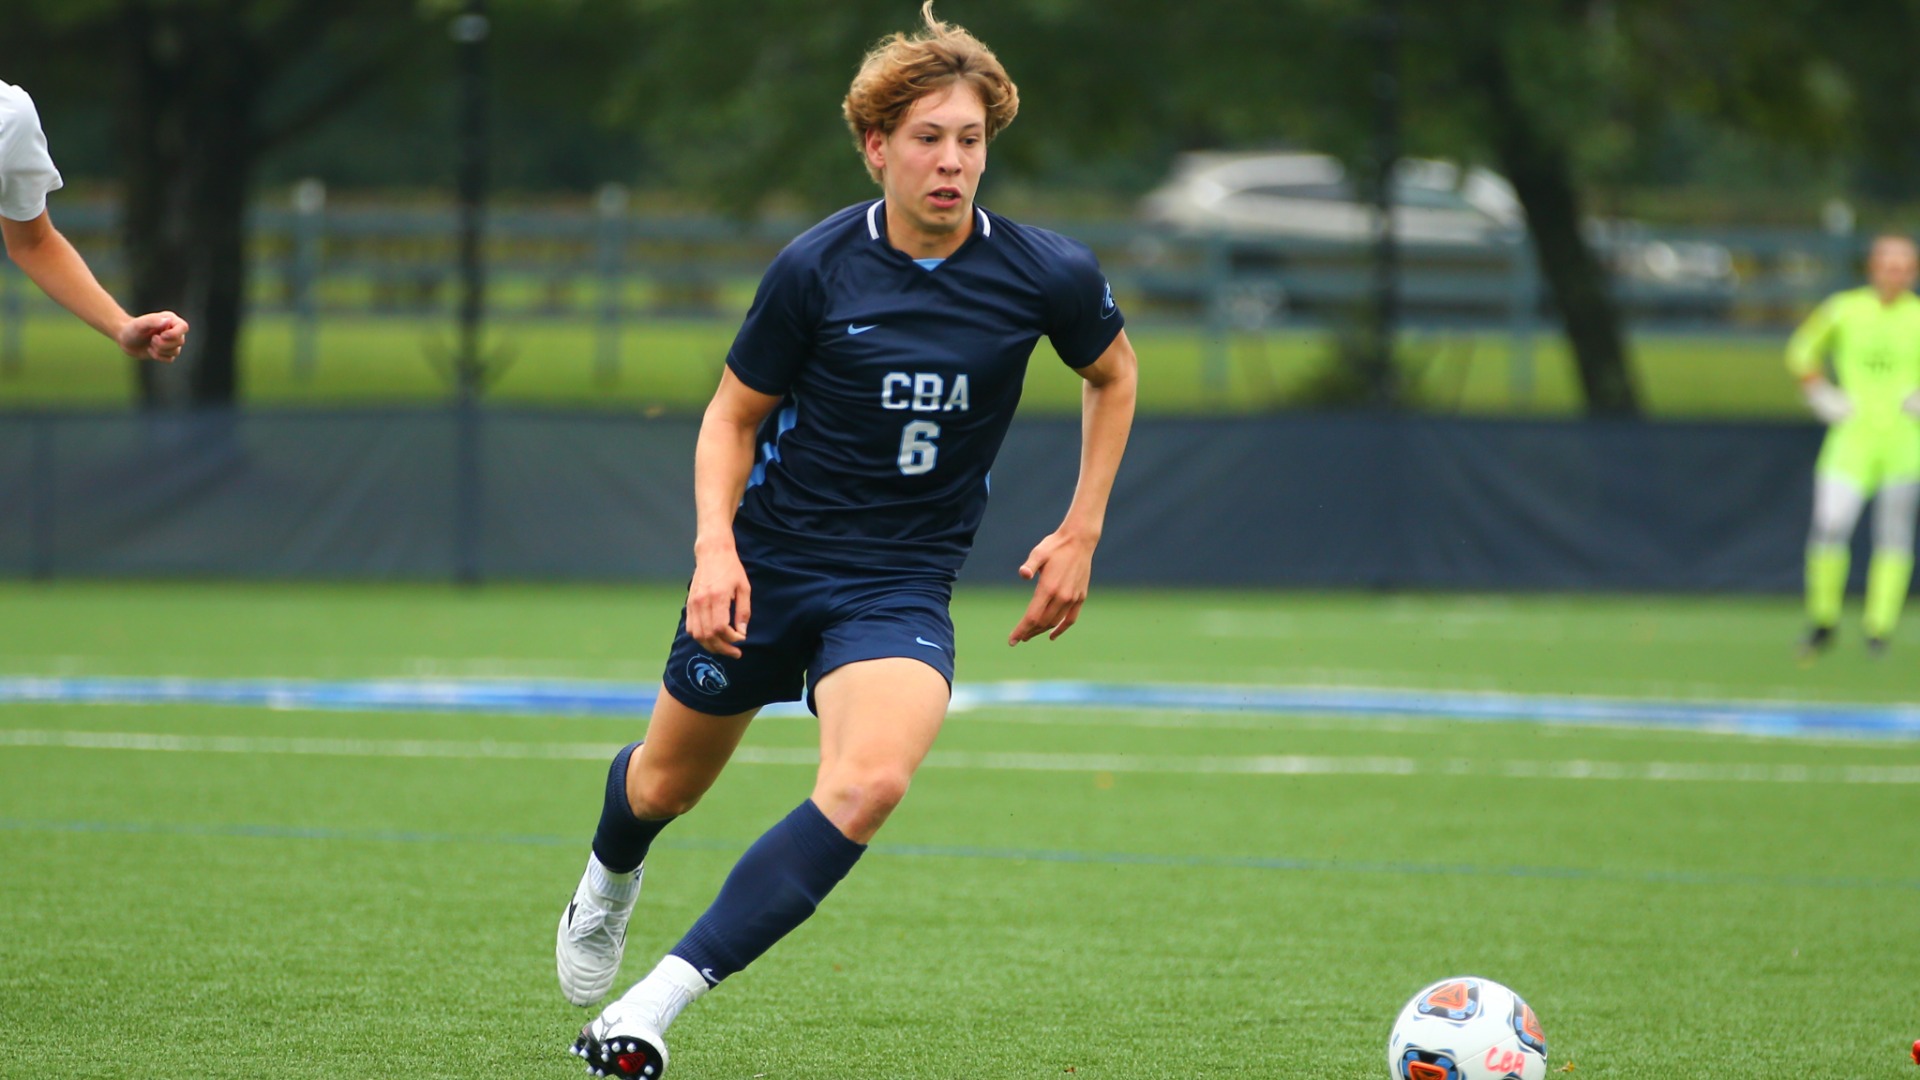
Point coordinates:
[[623, 1041], [593, 933], [627, 1038]]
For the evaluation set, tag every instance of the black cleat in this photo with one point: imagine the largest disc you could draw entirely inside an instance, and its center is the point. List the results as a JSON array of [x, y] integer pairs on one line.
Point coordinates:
[[1818, 640], [1876, 647], [626, 1050]]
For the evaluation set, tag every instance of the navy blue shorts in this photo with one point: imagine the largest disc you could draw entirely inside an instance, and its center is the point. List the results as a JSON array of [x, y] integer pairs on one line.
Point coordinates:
[[810, 617]]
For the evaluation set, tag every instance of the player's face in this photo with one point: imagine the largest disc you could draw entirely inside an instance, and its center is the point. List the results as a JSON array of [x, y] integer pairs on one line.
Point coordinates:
[[930, 165], [1892, 266]]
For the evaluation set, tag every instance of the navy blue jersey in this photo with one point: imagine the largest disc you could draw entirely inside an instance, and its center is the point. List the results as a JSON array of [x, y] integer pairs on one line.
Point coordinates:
[[899, 382]]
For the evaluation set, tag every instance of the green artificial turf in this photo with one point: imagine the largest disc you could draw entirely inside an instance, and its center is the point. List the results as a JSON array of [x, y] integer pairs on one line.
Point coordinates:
[[1708, 648], [344, 894]]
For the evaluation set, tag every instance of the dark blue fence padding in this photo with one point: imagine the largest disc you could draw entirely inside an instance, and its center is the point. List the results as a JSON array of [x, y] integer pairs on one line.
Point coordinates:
[[1298, 500], [569, 495], [349, 494], [252, 494], [1347, 500], [1609, 505], [16, 512]]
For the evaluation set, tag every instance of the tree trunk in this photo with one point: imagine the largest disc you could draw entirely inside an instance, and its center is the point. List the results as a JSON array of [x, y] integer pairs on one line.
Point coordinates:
[[1539, 165], [190, 150]]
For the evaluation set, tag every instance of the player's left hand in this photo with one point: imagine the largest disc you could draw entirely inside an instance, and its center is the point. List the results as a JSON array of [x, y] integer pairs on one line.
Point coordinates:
[[156, 336], [1060, 567]]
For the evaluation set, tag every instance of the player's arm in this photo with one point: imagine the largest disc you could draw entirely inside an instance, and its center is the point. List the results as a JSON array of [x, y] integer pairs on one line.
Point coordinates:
[[719, 600], [1806, 352], [1062, 564], [46, 257]]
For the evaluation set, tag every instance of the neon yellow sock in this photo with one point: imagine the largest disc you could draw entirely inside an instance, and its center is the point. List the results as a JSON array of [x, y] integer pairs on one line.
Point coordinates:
[[1888, 574], [1826, 584]]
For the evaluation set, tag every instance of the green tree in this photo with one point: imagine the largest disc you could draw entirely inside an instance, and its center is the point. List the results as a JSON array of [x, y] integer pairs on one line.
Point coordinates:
[[1535, 79], [741, 98]]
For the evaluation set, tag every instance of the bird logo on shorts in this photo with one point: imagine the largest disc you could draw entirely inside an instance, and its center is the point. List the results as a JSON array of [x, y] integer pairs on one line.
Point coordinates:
[[706, 674]]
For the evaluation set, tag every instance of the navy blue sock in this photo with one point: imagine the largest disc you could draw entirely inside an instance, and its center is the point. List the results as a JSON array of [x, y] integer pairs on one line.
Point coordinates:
[[773, 888], [622, 840]]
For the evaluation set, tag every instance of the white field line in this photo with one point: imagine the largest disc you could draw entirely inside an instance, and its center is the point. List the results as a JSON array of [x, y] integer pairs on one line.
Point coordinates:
[[1246, 765]]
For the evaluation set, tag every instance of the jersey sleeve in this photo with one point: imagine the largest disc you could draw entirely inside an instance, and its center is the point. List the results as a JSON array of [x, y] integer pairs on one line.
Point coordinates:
[[26, 169], [1082, 319], [777, 334], [1810, 343]]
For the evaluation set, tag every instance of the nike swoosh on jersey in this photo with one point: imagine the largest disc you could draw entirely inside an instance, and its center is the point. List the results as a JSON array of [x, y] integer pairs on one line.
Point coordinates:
[[852, 329]]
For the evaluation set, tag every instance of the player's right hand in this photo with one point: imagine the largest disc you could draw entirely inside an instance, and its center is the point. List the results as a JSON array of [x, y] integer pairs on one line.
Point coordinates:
[[158, 335], [718, 603], [1828, 402]]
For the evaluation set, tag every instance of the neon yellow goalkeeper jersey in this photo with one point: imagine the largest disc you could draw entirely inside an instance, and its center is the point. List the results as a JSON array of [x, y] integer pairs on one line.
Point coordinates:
[[1875, 348]]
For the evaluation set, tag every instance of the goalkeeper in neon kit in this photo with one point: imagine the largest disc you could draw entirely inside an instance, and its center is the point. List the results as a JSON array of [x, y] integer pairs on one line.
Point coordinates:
[[1871, 338]]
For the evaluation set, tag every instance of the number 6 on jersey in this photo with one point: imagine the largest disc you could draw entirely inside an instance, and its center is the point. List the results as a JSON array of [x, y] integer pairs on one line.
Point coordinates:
[[917, 451]]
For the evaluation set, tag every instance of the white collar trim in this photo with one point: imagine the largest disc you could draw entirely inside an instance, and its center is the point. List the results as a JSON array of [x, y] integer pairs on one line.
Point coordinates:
[[873, 222]]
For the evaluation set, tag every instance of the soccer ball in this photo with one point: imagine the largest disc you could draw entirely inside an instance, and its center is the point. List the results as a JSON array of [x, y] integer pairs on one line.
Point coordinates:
[[1467, 1028]]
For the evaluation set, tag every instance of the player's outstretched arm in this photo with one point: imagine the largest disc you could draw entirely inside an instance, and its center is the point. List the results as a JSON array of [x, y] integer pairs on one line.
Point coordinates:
[[1062, 564], [719, 600], [46, 256]]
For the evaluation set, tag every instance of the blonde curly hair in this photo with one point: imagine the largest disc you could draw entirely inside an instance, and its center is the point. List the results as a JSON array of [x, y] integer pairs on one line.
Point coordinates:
[[901, 69]]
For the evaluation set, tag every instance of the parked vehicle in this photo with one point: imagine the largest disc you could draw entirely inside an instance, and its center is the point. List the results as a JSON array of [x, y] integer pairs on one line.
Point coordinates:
[[1287, 217]]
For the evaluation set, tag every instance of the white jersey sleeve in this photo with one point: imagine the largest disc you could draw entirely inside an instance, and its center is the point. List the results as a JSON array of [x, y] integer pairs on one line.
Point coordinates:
[[26, 169]]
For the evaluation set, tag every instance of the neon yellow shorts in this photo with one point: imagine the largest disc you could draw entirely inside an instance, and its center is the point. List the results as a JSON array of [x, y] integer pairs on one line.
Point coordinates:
[[1872, 453]]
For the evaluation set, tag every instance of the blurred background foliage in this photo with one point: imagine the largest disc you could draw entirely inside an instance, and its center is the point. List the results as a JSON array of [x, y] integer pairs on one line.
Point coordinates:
[[734, 104], [1700, 112]]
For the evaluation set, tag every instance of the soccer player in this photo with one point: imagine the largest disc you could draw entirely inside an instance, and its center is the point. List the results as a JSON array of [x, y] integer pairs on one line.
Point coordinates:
[[840, 473], [27, 175], [1872, 450]]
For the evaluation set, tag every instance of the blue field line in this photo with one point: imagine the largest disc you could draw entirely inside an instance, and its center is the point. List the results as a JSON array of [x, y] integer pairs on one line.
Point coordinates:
[[540, 698], [1741, 717], [565, 698], [994, 854]]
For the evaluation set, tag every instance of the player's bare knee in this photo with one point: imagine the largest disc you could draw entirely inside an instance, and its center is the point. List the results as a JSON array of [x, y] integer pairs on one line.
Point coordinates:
[[655, 797], [883, 791], [868, 795], [876, 794]]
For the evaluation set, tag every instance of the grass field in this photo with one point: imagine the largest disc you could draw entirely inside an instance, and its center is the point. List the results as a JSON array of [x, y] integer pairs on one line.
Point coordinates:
[[673, 365], [1104, 893]]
